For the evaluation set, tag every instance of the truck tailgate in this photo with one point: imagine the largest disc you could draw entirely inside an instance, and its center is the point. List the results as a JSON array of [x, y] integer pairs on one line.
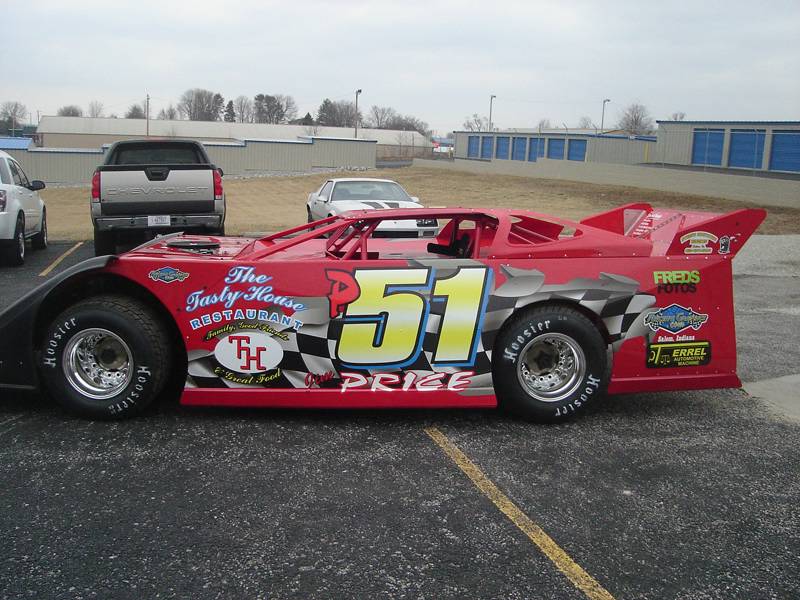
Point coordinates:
[[160, 189]]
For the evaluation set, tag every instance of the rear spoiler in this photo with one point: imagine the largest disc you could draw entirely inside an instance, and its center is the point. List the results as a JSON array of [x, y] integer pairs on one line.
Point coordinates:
[[682, 232]]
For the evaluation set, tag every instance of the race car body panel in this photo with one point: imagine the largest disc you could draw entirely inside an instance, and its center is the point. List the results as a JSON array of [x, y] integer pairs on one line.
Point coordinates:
[[325, 315]]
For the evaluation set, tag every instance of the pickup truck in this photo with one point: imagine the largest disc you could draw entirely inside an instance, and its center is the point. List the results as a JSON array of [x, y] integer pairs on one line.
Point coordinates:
[[150, 187]]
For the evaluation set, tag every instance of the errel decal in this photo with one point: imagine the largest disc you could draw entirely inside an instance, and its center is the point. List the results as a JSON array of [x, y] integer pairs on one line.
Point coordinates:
[[168, 275], [698, 242], [392, 382], [674, 319], [680, 354]]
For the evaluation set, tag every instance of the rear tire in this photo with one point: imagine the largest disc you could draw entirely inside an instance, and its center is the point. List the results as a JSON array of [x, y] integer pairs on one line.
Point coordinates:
[[104, 243], [549, 362], [39, 241], [106, 357], [14, 252]]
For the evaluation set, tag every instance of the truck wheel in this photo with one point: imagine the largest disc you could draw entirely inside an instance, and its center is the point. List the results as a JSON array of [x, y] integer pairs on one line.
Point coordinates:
[[14, 253], [549, 363], [106, 357], [104, 243], [40, 239]]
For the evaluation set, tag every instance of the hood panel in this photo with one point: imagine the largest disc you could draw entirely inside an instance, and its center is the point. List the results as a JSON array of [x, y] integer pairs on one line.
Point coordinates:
[[341, 206], [185, 246]]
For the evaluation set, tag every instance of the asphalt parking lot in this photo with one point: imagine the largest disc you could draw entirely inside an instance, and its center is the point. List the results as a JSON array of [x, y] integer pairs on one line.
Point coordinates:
[[675, 495]]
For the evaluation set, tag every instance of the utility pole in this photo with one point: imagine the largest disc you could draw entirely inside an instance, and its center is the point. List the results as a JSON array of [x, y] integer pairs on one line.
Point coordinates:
[[147, 115], [358, 92], [491, 100], [603, 115]]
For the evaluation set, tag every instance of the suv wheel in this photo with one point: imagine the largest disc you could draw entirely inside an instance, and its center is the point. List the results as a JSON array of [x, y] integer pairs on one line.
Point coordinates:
[[40, 239], [14, 253]]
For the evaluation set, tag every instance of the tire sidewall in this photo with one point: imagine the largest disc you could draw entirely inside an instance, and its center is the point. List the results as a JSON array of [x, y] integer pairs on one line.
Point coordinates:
[[135, 397], [530, 325]]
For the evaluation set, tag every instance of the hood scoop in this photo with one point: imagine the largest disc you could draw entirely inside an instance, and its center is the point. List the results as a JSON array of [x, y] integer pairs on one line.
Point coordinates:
[[196, 246]]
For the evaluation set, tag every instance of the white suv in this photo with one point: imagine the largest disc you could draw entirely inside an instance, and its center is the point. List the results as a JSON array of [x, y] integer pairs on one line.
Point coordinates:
[[22, 213]]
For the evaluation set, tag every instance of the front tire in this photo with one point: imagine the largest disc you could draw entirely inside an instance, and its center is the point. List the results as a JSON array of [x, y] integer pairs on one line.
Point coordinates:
[[39, 241], [105, 358], [549, 363]]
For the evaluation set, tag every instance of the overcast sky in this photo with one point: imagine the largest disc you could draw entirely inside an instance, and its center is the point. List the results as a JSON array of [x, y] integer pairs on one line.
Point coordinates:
[[439, 61]]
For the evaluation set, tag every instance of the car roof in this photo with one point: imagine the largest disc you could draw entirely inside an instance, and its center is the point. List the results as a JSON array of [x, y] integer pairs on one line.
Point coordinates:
[[339, 179]]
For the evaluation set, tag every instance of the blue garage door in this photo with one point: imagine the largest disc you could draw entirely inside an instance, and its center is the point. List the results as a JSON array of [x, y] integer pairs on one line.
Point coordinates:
[[555, 149], [487, 145], [747, 148], [502, 147], [535, 148], [472, 146], [576, 150], [785, 155], [707, 148], [518, 149]]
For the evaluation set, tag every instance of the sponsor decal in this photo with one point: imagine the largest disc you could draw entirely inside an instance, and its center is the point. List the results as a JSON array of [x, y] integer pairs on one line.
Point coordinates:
[[344, 290], [678, 354], [260, 290], [245, 325], [248, 357], [244, 314], [674, 319], [676, 281], [392, 382], [168, 275], [319, 379], [698, 242], [725, 244]]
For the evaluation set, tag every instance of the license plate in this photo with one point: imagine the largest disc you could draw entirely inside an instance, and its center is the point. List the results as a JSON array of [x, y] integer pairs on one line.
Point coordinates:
[[158, 220]]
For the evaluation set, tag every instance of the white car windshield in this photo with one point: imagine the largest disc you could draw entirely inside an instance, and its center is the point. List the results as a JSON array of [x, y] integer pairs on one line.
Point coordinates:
[[369, 190]]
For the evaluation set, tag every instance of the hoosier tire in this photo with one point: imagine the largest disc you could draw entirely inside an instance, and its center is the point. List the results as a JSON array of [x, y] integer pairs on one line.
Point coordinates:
[[549, 363], [106, 357]]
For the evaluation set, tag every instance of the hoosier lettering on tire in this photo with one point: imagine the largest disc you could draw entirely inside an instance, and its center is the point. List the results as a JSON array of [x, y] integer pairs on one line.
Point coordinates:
[[549, 363], [106, 357]]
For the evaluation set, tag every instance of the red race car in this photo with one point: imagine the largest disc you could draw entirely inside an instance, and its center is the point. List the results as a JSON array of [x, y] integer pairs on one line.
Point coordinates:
[[533, 313]]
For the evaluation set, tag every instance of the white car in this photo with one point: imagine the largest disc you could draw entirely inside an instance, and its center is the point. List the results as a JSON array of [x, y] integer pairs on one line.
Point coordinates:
[[23, 215], [337, 196]]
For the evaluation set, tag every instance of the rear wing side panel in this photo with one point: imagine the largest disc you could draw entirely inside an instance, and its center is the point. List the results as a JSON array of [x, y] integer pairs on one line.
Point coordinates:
[[719, 234]]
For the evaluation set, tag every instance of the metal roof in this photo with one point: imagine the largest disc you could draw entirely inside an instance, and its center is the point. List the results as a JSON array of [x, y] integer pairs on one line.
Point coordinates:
[[731, 122], [221, 129], [14, 143]]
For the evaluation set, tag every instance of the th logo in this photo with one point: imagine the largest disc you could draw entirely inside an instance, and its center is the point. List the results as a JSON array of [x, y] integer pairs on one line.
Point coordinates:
[[251, 356]]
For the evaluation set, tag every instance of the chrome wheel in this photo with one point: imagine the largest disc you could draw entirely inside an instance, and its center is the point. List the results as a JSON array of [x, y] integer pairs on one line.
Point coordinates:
[[98, 363], [551, 367]]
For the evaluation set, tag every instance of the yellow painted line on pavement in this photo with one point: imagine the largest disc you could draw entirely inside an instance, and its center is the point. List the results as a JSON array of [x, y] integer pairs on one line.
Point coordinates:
[[57, 261], [579, 578]]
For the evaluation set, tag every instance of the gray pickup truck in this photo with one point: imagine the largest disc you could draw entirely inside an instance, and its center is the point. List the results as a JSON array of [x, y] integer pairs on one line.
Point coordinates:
[[150, 187]]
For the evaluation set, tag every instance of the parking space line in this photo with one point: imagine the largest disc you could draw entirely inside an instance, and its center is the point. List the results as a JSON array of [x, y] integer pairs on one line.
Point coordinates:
[[579, 578], [57, 261]]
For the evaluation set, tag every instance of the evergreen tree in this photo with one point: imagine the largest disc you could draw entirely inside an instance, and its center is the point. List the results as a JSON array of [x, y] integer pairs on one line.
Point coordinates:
[[230, 113]]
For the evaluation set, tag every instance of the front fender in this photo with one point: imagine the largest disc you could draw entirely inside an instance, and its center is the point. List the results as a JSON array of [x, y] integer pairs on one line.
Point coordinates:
[[17, 324]]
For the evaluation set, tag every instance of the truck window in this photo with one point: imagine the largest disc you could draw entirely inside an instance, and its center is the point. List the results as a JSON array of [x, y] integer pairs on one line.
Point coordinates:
[[161, 154]]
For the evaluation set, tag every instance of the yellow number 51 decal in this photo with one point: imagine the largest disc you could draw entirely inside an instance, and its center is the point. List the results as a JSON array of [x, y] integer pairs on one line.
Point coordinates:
[[385, 326]]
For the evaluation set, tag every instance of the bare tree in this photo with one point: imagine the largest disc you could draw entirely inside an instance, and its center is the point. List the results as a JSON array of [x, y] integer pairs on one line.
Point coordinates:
[[13, 113], [198, 104], [678, 116], [379, 116], [635, 119], [95, 109], [476, 123], [168, 114], [312, 130], [544, 124], [288, 106], [339, 113], [243, 107], [586, 123], [70, 110]]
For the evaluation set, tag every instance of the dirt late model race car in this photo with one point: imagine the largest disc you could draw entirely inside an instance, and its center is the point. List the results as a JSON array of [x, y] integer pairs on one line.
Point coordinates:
[[533, 313]]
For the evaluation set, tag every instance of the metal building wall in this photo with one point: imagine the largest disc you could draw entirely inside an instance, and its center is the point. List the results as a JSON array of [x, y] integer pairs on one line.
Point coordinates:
[[261, 157], [332, 153], [58, 166], [619, 151], [674, 145]]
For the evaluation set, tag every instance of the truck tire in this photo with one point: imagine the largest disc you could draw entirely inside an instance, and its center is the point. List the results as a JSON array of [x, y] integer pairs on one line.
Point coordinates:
[[104, 243], [39, 241], [106, 357], [14, 252], [549, 362]]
